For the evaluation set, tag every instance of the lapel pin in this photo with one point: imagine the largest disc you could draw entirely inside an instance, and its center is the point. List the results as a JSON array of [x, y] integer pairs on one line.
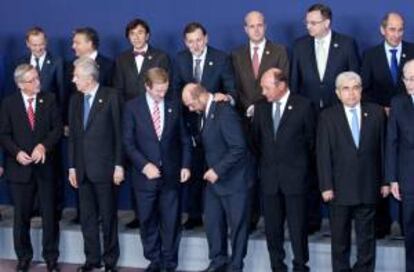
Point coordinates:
[[210, 63], [212, 116], [169, 110], [100, 101], [150, 57], [403, 55], [267, 52], [40, 101], [335, 45], [47, 61], [365, 114], [290, 107]]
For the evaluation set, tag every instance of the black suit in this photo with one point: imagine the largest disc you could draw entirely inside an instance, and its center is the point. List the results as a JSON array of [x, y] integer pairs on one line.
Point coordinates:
[[284, 163], [355, 175], [127, 79], [94, 152], [16, 135], [377, 81]]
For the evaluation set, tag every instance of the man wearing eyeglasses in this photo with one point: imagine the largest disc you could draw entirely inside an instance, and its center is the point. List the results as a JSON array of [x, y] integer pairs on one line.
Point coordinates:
[[400, 155], [30, 128], [317, 59]]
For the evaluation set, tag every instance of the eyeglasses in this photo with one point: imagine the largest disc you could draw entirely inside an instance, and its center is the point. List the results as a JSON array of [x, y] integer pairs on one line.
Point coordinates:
[[313, 23], [408, 80], [31, 81]]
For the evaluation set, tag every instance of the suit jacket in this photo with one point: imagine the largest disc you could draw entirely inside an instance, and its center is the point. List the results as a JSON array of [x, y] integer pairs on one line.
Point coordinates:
[[247, 86], [94, 151], [400, 143], [225, 149], [16, 134], [217, 72], [170, 154], [126, 77], [378, 84], [51, 76], [304, 76], [285, 161], [354, 174]]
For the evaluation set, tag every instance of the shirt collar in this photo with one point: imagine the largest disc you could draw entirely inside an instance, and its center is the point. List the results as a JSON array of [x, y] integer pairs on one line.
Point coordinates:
[[388, 47], [33, 57], [327, 39], [260, 45], [357, 107], [209, 102], [93, 55], [26, 97], [202, 56]]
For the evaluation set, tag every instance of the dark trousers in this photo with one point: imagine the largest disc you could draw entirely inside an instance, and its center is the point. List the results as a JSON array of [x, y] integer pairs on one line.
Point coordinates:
[[408, 220], [24, 197], [99, 200], [220, 211], [383, 216], [160, 225], [341, 217], [277, 208], [195, 186]]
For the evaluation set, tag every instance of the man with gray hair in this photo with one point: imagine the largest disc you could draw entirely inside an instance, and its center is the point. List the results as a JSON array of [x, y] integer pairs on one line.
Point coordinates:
[[30, 128], [350, 145], [95, 162]]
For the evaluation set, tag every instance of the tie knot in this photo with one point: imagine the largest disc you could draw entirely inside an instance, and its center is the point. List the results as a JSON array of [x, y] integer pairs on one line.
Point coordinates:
[[320, 42], [139, 53], [256, 48], [88, 97], [393, 51], [353, 110], [30, 100], [197, 61], [278, 103]]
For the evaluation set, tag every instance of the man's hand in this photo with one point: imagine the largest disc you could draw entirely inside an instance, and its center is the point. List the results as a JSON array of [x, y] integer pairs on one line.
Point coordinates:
[[185, 175], [385, 191], [39, 154], [328, 195], [250, 111], [151, 171], [395, 190], [221, 97], [23, 158], [72, 178], [118, 175], [210, 176]]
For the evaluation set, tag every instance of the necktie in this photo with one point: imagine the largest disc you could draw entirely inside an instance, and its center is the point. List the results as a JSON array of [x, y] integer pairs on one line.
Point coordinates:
[[255, 61], [30, 113], [355, 126], [37, 61], [394, 65], [197, 70], [321, 58], [156, 119], [276, 118], [86, 109]]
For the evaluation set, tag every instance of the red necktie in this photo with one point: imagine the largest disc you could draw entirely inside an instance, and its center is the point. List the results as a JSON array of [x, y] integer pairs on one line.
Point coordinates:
[[156, 119], [30, 113], [256, 62]]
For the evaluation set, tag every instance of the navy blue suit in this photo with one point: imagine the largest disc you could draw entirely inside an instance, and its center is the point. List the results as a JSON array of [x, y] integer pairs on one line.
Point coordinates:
[[158, 199], [398, 167], [226, 200]]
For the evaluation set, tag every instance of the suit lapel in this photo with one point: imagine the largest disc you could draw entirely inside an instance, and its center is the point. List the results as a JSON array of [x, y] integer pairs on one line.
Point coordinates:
[[344, 125], [208, 66], [365, 119], [22, 112], [132, 65], [312, 57], [147, 59], [210, 116], [266, 60], [46, 66], [97, 105], [382, 62], [332, 56], [246, 64], [287, 112], [146, 115], [168, 114]]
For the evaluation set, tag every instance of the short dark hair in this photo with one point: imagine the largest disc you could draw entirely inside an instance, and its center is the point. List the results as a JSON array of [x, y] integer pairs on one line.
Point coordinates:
[[134, 23], [325, 10], [90, 34], [35, 30], [193, 26]]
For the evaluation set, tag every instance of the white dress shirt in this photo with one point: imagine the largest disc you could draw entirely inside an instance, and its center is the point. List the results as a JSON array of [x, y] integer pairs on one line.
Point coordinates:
[[260, 49], [41, 60], [151, 104], [139, 59], [283, 101]]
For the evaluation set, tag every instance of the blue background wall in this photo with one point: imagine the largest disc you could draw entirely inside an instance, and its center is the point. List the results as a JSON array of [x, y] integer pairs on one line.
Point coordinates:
[[223, 20]]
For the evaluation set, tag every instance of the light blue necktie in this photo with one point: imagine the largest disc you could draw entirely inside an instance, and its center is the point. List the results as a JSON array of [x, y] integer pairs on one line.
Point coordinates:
[[276, 118], [197, 70], [355, 126], [394, 65], [86, 109]]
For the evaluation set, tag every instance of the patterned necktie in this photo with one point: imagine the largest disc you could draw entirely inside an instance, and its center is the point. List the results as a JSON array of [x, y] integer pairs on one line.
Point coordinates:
[[355, 126], [31, 113], [255, 61], [197, 70], [321, 58], [86, 109], [156, 119], [276, 118], [394, 65]]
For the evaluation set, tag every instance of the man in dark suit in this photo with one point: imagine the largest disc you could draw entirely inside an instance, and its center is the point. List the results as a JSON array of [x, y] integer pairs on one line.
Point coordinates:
[[132, 64], [284, 133], [400, 155], [381, 79], [211, 68], [317, 59], [250, 62], [30, 127], [95, 162], [160, 159], [225, 153], [130, 68], [350, 157]]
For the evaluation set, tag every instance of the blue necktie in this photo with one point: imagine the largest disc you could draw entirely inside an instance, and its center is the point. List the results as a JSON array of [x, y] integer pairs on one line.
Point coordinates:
[[86, 109], [394, 65], [355, 126]]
